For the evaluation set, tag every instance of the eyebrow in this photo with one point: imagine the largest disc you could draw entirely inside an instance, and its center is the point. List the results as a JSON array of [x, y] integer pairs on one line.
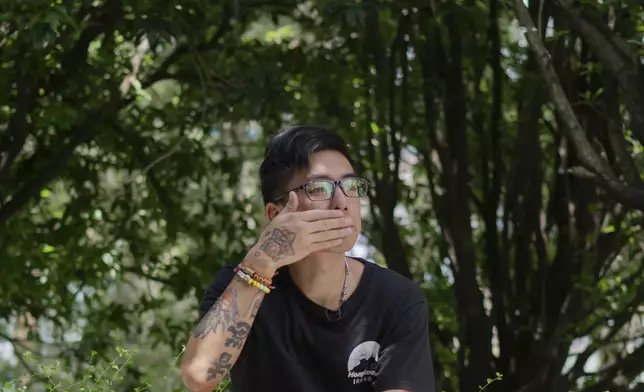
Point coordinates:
[[325, 177]]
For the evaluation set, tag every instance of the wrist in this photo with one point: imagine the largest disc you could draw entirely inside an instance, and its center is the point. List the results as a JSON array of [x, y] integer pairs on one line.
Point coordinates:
[[260, 262]]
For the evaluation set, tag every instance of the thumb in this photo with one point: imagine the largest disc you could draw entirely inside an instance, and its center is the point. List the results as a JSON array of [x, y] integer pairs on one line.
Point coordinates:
[[291, 204]]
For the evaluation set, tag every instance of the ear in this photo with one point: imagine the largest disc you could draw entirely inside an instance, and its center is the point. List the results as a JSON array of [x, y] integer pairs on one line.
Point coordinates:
[[271, 210]]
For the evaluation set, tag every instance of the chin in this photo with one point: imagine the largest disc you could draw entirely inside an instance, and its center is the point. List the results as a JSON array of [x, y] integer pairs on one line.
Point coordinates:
[[346, 246]]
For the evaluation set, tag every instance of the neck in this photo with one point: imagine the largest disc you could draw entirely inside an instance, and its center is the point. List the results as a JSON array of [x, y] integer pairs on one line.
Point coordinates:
[[320, 276]]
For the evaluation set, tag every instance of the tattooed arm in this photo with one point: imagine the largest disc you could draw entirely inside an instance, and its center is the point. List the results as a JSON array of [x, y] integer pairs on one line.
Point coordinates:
[[219, 337], [217, 340]]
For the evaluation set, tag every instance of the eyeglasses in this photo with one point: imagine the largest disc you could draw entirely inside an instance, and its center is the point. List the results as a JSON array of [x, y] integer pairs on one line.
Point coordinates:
[[319, 190]]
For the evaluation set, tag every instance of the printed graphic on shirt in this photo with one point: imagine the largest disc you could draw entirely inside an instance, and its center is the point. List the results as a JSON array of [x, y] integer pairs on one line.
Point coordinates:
[[363, 362]]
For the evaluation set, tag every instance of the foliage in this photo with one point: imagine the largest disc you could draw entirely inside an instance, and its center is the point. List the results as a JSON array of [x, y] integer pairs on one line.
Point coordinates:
[[489, 381], [95, 378], [130, 134]]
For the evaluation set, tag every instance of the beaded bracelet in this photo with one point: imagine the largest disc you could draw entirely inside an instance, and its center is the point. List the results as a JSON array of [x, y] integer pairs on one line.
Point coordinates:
[[252, 281], [255, 276]]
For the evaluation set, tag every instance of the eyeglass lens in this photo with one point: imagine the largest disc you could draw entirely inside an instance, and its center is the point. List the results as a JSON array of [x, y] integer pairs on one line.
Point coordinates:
[[324, 190]]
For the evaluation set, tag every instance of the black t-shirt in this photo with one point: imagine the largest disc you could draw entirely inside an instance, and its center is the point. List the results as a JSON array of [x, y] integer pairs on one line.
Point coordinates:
[[380, 343]]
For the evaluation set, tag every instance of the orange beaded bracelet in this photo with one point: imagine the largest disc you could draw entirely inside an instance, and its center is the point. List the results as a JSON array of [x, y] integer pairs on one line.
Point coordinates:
[[253, 282], [253, 278], [254, 275]]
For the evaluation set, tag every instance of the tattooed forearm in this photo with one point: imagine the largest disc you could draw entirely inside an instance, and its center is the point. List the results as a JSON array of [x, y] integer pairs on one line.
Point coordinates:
[[219, 337], [253, 307], [222, 315], [221, 366], [239, 334], [278, 244]]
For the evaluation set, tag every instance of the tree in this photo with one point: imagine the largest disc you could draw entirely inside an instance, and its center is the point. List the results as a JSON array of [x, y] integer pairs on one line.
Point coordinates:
[[520, 232], [505, 182], [117, 166]]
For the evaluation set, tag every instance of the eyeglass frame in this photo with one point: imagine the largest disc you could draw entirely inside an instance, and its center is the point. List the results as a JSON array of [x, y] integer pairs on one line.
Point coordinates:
[[336, 184]]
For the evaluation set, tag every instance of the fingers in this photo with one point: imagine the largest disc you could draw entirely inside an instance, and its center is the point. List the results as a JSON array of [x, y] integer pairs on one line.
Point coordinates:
[[328, 224], [319, 246], [329, 235], [291, 204], [316, 215]]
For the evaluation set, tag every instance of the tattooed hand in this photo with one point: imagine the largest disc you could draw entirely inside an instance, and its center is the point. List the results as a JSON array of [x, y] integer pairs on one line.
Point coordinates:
[[293, 234]]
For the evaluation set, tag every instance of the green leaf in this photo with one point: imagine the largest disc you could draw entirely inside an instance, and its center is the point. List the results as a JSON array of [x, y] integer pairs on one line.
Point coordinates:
[[374, 127], [52, 20], [609, 229]]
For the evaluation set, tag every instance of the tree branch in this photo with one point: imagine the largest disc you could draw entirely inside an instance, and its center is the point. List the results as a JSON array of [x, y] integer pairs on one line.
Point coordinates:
[[80, 134], [74, 62], [87, 129], [17, 347], [138, 146], [162, 72], [626, 73], [17, 128], [405, 104], [615, 134], [474, 325], [595, 163]]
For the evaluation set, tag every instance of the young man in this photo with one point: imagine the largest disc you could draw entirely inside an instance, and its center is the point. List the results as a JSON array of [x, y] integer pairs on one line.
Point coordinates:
[[332, 323]]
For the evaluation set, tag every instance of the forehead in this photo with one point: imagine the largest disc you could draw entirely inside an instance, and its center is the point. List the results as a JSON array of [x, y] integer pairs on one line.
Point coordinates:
[[330, 165]]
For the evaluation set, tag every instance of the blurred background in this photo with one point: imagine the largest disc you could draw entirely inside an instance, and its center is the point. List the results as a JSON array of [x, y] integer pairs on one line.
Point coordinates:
[[503, 140]]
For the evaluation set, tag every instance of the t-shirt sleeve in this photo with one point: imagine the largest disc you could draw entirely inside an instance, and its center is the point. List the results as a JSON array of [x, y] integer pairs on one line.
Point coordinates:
[[218, 285], [405, 359]]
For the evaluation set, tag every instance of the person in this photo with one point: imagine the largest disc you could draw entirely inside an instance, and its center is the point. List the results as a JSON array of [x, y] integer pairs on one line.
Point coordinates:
[[329, 322]]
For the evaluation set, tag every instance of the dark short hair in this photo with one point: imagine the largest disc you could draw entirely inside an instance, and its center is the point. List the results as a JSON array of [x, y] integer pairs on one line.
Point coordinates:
[[290, 151]]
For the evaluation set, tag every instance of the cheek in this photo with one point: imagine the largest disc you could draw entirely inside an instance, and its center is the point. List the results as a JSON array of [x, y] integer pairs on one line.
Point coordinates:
[[305, 204], [357, 223], [354, 214]]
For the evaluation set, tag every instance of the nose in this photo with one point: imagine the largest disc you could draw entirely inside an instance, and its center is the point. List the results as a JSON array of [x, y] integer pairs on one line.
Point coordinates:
[[339, 199]]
